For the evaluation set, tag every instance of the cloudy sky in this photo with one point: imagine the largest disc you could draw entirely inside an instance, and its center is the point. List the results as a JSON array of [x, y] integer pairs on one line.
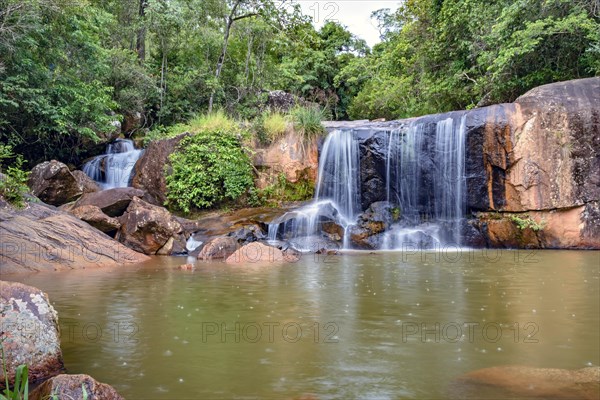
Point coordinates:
[[355, 14]]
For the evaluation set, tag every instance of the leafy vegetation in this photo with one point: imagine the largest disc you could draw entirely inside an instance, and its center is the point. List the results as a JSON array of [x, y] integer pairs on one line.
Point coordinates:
[[526, 222], [209, 167], [20, 390], [275, 124], [13, 181], [307, 121], [281, 191]]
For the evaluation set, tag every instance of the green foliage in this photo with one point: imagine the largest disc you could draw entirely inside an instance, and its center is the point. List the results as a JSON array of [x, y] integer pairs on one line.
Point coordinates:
[[526, 222], [281, 191], [217, 120], [13, 182], [307, 121], [396, 213], [208, 168], [20, 390]]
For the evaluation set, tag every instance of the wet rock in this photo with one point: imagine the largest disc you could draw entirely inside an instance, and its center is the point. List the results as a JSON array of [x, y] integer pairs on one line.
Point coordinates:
[[112, 202], [248, 233], [29, 333], [43, 238], [187, 267], [53, 183], [87, 184], [150, 229], [72, 387], [370, 224], [94, 216], [529, 383], [256, 252], [153, 166], [219, 247]]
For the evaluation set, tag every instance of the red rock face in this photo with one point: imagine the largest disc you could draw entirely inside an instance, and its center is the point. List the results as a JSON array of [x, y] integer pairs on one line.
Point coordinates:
[[71, 387], [30, 333]]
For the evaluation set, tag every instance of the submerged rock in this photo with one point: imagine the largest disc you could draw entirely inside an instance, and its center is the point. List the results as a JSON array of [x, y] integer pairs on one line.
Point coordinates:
[[150, 229], [53, 183], [529, 383], [72, 387], [29, 333], [258, 253]]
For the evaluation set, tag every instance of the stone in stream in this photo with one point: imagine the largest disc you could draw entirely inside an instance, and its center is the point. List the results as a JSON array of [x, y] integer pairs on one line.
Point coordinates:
[[53, 183], [71, 387], [218, 247], [150, 229], [256, 252], [528, 383], [29, 333]]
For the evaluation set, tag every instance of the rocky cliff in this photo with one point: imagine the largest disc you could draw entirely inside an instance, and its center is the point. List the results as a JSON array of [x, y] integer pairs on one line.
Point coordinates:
[[532, 167]]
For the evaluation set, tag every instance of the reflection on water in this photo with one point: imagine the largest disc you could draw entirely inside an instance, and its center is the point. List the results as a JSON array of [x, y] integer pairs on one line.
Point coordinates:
[[383, 325]]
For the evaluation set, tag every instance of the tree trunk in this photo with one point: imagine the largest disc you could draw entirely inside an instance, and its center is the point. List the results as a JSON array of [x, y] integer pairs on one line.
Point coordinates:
[[221, 61], [141, 34]]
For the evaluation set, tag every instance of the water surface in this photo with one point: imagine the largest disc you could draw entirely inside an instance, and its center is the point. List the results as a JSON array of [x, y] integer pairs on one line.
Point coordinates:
[[349, 326]]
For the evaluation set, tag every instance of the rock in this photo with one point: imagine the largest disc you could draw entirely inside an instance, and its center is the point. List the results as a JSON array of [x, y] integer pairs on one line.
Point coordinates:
[[112, 202], [254, 253], [283, 101], [528, 382], [289, 155], [219, 247], [376, 220], [150, 168], [29, 333], [87, 184], [42, 238], [247, 233], [94, 216], [53, 183], [132, 122], [187, 267], [71, 387], [150, 229]]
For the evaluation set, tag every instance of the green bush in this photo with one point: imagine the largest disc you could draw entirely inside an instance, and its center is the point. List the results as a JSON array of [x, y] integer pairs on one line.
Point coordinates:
[[203, 123], [275, 125], [13, 182], [526, 222], [208, 168], [281, 191], [307, 121]]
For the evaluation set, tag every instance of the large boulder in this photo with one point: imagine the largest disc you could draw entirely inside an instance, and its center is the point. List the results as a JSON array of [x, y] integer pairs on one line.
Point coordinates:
[[370, 224], [29, 333], [218, 247], [112, 202], [72, 387], [42, 238], [150, 229], [53, 183], [94, 216], [152, 166], [256, 252], [528, 382], [87, 184]]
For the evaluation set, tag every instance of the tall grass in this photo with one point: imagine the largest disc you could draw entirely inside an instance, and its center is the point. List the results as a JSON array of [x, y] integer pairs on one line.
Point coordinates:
[[216, 120], [307, 121], [275, 125]]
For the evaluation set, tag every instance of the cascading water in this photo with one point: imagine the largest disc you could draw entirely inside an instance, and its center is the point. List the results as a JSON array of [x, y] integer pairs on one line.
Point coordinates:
[[337, 193], [425, 178], [114, 169]]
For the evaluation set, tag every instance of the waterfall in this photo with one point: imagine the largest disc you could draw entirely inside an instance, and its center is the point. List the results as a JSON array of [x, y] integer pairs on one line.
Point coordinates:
[[425, 178], [337, 194], [114, 168]]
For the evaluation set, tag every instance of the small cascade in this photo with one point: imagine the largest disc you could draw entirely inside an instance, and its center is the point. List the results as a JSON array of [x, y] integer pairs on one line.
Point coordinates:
[[192, 244], [337, 194], [114, 169]]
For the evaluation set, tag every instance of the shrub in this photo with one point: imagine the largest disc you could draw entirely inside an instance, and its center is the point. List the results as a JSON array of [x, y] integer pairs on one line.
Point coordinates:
[[208, 168], [281, 191], [527, 222], [307, 121], [13, 182]]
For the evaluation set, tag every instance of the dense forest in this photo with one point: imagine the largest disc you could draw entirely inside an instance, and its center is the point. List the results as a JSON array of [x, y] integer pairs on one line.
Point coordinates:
[[70, 69]]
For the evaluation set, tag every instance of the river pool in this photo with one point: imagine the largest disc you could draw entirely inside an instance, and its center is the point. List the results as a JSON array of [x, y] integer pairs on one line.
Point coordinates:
[[383, 325]]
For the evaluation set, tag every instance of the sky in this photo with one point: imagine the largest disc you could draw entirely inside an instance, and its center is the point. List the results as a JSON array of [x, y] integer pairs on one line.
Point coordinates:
[[354, 14]]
